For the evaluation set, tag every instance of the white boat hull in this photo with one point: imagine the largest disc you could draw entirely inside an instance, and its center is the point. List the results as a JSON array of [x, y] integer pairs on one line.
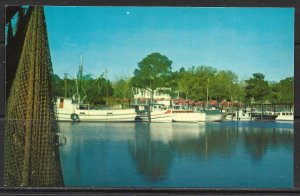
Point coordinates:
[[123, 115], [188, 117], [214, 117], [159, 116], [240, 118], [285, 118]]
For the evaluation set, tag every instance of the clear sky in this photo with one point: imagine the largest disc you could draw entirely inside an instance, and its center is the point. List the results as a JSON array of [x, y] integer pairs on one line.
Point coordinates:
[[243, 40]]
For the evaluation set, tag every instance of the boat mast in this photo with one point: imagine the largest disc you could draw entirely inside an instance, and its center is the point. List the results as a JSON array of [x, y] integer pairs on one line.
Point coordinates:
[[77, 89], [65, 78], [80, 72], [79, 78], [207, 92], [106, 87]]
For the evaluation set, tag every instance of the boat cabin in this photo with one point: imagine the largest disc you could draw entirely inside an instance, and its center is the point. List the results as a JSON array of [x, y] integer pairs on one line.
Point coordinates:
[[64, 103], [69, 103]]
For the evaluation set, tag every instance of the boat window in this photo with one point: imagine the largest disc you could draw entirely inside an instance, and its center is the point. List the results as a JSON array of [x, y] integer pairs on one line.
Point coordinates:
[[83, 107], [176, 107], [61, 103], [283, 114]]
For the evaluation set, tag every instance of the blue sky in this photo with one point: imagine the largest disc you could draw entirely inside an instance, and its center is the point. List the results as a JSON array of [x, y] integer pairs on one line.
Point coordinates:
[[243, 40]]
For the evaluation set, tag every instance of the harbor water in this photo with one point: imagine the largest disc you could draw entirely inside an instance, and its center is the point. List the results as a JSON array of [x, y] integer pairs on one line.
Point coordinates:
[[184, 155]]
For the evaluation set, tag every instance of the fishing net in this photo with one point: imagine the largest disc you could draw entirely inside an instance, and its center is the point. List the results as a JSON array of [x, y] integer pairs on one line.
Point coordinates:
[[31, 142]]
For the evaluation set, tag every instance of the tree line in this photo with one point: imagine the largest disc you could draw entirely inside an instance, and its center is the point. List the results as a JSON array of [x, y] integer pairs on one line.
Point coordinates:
[[197, 83]]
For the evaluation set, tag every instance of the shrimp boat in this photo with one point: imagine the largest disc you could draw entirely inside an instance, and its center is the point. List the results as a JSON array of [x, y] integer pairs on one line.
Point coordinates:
[[69, 110], [74, 109]]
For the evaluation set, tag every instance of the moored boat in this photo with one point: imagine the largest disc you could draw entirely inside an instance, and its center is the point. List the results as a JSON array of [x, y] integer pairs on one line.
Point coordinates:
[[185, 114], [69, 110], [158, 113], [240, 115], [161, 115], [285, 116], [266, 116], [74, 109], [212, 114]]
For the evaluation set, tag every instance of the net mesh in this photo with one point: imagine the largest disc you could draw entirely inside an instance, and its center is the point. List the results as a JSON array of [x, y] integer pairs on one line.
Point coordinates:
[[31, 141]]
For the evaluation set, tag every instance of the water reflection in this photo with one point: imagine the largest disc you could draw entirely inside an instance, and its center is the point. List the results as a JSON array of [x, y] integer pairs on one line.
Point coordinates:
[[156, 145], [136, 154], [152, 155], [258, 140]]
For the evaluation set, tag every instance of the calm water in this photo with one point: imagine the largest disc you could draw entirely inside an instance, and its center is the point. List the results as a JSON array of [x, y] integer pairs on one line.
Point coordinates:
[[227, 154]]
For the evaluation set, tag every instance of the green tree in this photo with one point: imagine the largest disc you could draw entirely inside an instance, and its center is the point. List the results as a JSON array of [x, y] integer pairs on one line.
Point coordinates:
[[92, 91], [286, 90], [224, 86], [58, 85], [172, 83], [69, 86], [97, 91], [257, 88], [274, 95], [239, 91], [122, 88], [152, 72], [186, 82], [203, 74]]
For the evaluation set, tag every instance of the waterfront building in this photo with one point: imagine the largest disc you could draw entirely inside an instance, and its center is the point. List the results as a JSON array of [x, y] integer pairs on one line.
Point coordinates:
[[160, 95]]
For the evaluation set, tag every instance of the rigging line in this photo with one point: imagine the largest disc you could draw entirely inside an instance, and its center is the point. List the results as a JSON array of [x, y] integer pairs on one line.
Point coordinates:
[[95, 82]]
